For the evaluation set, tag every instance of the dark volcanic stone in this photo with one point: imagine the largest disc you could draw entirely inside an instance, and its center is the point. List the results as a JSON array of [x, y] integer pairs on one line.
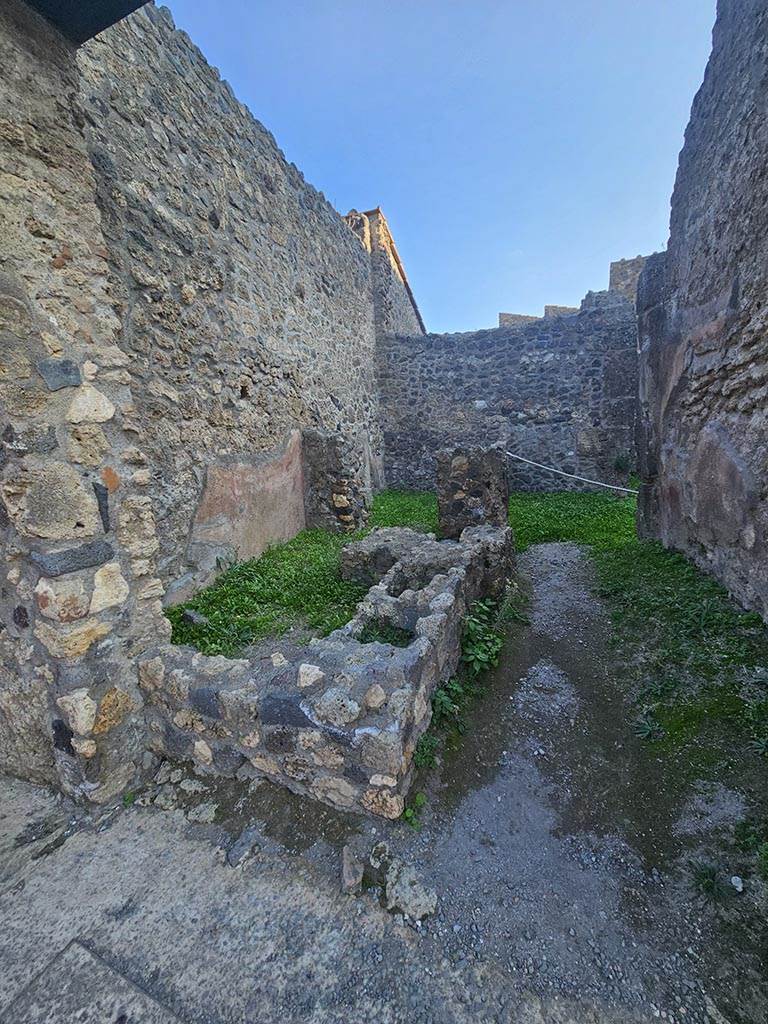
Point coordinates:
[[280, 741], [472, 489], [62, 736], [193, 618], [58, 563], [276, 709], [102, 497], [205, 700], [21, 616], [59, 373]]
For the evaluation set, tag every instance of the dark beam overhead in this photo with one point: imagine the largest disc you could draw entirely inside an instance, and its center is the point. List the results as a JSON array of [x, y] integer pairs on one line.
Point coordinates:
[[80, 20]]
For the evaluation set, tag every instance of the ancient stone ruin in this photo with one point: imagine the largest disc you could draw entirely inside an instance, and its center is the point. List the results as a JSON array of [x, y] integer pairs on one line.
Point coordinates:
[[200, 357], [340, 719]]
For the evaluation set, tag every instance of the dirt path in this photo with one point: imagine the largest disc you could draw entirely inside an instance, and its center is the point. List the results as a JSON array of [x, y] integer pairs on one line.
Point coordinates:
[[554, 839]]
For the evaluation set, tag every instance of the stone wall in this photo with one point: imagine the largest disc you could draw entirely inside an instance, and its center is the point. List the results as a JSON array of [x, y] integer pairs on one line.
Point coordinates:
[[187, 372], [246, 301], [703, 315], [624, 275], [559, 390], [395, 307], [78, 589]]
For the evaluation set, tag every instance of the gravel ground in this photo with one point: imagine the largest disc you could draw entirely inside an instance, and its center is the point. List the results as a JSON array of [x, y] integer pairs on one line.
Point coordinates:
[[559, 856]]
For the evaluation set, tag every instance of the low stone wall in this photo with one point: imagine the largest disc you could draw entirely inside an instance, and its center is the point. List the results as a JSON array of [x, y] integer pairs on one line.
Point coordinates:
[[338, 720]]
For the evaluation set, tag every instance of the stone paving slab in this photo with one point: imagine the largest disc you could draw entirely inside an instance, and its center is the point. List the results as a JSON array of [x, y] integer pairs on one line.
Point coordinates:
[[78, 986]]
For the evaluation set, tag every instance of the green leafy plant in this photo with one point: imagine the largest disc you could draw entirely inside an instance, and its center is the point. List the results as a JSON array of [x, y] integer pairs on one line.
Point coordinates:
[[425, 754], [481, 641], [647, 728], [709, 880], [129, 798], [412, 813], [750, 835]]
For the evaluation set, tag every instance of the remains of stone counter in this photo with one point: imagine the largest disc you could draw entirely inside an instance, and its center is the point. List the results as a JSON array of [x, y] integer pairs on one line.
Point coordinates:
[[338, 719], [472, 488]]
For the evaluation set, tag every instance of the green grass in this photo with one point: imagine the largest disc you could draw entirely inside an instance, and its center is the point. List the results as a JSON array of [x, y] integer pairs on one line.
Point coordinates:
[[297, 583], [416, 509], [375, 632], [684, 618], [682, 640], [672, 621], [601, 520]]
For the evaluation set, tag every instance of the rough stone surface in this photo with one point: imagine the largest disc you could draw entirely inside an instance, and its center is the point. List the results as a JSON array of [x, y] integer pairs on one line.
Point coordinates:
[[366, 561], [249, 309], [59, 373], [624, 276], [559, 390], [406, 893], [703, 314], [395, 308], [65, 438], [472, 489], [352, 869], [59, 563]]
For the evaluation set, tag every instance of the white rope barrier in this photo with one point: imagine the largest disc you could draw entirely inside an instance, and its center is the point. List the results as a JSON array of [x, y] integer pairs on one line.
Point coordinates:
[[560, 472]]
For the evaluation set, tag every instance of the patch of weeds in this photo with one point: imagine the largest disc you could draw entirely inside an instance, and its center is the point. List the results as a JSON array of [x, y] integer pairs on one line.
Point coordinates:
[[425, 754], [129, 799], [762, 861], [601, 520], [481, 641], [679, 620], [412, 813], [294, 584], [709, 881], [376, 631], [659, 689], [451, 700], [514, 607], [672, 623], [647, 728], [750, 835]]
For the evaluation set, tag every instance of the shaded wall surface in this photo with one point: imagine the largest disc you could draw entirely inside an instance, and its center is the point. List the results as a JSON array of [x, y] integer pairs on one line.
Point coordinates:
[[79, 594], [559, 390], [703, 318]]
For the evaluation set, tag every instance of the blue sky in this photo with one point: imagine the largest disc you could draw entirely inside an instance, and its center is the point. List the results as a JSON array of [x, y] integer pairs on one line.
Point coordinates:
[[516, 147]]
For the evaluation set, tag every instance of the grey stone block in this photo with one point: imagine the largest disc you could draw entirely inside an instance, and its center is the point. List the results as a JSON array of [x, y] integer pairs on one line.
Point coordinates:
[[59, 373], [58, 563]]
